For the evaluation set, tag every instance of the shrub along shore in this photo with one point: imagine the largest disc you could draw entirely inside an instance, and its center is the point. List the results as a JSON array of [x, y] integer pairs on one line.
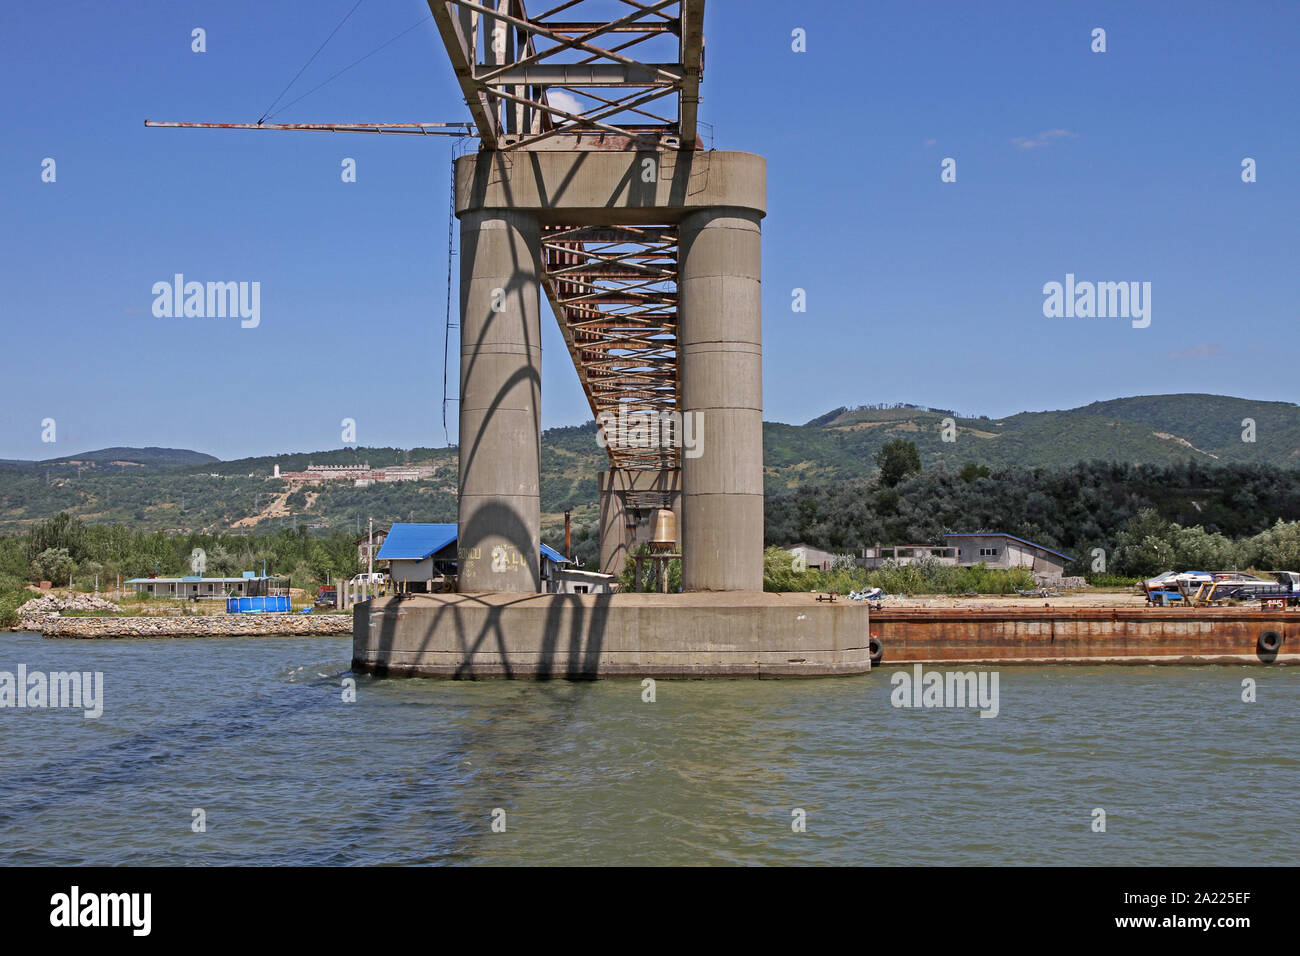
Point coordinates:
[[926, 577]]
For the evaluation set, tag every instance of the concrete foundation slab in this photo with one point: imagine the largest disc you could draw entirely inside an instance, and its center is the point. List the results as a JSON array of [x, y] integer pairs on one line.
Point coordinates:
[[585, 636]]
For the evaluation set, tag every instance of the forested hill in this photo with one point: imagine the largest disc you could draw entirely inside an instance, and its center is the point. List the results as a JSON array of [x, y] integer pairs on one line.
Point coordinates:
[[1076, 510], [115, 459], [172, 489], [1152, 429]]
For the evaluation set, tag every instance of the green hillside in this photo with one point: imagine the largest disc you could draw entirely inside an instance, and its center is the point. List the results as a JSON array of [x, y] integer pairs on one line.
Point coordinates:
[[165, 489], [1156, 429], [115, 459]]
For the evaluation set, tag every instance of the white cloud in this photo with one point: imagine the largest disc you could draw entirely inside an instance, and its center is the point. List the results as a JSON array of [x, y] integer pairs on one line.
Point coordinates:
[[1045, 138], [563, 100]]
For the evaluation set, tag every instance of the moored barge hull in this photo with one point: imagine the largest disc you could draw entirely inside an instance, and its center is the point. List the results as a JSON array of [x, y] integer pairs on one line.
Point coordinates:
[[1027, 635]]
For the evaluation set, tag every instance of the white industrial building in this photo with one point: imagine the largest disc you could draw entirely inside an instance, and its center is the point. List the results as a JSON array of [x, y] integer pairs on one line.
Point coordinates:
[[814, 559], [994, 549], [999, 550]]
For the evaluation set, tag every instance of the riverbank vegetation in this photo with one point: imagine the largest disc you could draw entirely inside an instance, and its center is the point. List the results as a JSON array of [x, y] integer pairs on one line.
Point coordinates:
[[64, 549], [925, 577], [1114, 518], [13, 595], [1120, 521]]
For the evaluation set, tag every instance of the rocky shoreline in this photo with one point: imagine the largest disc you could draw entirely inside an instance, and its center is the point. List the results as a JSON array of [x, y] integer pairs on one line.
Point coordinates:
[[216, 625]]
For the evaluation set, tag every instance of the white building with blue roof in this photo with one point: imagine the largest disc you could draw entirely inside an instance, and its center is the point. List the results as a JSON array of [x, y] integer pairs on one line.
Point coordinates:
[[422, 556]]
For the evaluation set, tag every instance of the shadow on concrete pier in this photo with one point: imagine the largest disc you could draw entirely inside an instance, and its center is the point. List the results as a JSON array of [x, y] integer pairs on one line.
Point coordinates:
[[586, 636]]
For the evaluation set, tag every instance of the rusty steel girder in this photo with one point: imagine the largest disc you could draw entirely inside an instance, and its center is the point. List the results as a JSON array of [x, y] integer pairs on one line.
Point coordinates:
[[613, 290]]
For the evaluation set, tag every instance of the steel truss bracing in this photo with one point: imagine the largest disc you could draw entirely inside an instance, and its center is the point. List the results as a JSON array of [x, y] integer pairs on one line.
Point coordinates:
[[614, 291], [611, 75]]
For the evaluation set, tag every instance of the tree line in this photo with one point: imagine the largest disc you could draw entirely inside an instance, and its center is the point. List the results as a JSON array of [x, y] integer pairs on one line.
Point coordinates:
[[1112, 517], [64, 548], [1115, 518]]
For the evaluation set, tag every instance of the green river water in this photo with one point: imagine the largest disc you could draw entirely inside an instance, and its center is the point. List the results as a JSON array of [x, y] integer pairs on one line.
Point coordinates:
[[256, 734]]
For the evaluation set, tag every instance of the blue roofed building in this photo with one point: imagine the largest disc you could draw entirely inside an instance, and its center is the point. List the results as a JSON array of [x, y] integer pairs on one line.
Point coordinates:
[[422, 557]]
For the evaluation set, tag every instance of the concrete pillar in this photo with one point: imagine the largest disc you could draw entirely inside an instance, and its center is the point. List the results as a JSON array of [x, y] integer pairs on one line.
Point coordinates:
[[614, 536], [500, 402], [721, 365]]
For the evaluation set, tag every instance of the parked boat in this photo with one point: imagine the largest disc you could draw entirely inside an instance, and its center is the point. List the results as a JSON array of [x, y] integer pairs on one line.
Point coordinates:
[[1205, 587], [1174, 586]]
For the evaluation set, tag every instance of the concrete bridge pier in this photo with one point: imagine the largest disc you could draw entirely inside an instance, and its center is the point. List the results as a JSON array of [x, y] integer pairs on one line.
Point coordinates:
[[500, 402], [728, 626], [720, 352]]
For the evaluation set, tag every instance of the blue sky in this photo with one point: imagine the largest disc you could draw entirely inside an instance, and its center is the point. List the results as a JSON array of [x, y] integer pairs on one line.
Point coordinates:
[[1115, 166]]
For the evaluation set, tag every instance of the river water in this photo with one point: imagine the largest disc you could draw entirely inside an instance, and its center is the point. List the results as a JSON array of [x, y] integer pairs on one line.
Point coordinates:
[[255, 733]]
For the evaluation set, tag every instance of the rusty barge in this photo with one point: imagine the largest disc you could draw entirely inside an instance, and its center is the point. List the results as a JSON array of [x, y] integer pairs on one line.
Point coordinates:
[[1084, 635]]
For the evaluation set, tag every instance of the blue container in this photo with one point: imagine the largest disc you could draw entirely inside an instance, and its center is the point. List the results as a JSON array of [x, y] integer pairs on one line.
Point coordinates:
[[274, 603]]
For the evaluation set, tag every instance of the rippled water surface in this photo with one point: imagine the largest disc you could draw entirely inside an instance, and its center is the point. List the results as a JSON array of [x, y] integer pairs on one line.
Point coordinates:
[[255, 732]]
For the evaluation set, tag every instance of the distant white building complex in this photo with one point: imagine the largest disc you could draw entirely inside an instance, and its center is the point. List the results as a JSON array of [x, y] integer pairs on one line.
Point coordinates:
[[359, 475]]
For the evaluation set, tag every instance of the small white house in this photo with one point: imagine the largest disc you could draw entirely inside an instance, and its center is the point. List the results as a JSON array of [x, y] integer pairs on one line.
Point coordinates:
[[421, 556], [196, 588]]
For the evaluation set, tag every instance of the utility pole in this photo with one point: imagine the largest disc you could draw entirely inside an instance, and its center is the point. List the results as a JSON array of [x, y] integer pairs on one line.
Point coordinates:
[[370, 549], [568, 549]]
